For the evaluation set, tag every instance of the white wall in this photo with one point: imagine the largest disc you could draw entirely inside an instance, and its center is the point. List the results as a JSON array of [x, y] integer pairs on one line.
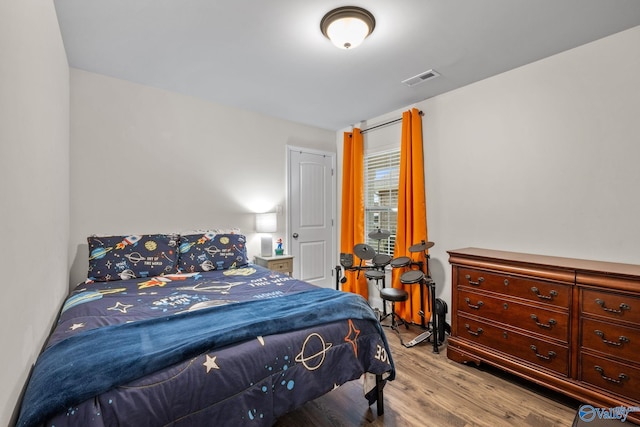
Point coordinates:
[[145, 160], [541, 159], [34, 186]]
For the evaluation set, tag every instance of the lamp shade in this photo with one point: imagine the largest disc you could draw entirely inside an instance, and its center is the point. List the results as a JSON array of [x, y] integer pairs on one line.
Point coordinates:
[[266, 222], [348, 26]]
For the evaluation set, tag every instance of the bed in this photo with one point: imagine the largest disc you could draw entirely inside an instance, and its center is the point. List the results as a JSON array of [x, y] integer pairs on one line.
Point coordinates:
[[183, 330]]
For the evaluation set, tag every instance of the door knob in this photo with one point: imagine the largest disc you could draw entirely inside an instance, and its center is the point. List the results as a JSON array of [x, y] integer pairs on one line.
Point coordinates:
[[295, 235]]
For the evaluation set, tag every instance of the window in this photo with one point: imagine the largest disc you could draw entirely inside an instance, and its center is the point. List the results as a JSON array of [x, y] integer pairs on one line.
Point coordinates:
[[381, 177]]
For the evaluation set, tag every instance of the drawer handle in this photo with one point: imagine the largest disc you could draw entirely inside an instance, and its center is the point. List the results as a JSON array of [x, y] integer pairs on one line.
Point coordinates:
[[475, 307], [623, 307], [552, 293], [476, 333], [471, 282], [621, 340], [621, 377], [551, 354], [543, 325]]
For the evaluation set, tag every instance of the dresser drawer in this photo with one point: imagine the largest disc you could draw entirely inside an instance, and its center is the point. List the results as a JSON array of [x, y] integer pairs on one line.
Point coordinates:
[[555, 294], [617, 340], [533, 318], [281, 266], [537, 351], [611, 305], [599, 360], [616, 377]]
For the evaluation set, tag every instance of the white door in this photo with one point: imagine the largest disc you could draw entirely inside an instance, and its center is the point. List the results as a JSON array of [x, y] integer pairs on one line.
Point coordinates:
[[311, 215]]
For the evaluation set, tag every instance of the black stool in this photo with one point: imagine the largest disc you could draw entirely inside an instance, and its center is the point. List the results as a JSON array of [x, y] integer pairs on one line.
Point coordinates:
[[394, 295]]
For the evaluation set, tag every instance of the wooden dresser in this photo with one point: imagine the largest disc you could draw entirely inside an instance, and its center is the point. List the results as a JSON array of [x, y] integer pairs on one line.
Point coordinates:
[[569, 324]]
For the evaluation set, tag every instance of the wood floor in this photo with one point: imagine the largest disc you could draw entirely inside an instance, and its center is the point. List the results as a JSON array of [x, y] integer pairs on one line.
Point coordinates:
[[430, 390]]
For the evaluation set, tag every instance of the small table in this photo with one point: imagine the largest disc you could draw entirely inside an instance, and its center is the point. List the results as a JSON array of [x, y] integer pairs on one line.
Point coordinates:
[[279, 263]]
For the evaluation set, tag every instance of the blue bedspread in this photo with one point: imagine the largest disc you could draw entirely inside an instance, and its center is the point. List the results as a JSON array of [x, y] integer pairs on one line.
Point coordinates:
[[123, 352]]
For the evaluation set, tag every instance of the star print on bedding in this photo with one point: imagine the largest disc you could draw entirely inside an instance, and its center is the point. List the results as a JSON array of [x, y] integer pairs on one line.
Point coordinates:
[[133, 256], [252, 342], [210, 251]]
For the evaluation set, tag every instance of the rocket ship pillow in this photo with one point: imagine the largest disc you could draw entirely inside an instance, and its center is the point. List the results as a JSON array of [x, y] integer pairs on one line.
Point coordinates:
[[211, 251], [128, 257]]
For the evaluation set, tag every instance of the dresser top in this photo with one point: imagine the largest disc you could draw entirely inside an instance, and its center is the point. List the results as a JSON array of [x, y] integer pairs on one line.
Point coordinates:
[[575, 264]]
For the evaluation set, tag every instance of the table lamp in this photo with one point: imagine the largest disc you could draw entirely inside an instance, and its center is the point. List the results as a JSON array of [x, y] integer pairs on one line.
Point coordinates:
[[266, 223]]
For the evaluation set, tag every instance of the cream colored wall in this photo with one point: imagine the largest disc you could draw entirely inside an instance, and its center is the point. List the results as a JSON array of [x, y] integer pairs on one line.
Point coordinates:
[[34, 186], [145, 160], [541, 159]]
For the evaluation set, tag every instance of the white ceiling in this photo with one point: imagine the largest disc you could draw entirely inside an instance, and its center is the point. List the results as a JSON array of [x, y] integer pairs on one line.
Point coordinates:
[[269, 56]]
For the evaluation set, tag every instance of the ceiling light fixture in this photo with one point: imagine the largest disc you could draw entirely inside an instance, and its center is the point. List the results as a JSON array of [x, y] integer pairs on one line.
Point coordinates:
[[347, 26]]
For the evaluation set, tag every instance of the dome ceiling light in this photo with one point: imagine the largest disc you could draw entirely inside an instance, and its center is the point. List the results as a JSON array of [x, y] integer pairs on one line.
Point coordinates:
[[347, 26]]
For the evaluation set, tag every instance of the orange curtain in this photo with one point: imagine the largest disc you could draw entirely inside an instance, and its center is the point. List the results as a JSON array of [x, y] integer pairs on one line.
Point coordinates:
[[412, 212], [352, 226]]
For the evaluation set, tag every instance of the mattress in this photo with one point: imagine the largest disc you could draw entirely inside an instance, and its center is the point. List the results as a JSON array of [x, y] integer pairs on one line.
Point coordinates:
[[240, 346]]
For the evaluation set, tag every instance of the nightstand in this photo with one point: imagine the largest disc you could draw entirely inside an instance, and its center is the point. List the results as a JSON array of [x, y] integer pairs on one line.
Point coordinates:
[[280, 263]]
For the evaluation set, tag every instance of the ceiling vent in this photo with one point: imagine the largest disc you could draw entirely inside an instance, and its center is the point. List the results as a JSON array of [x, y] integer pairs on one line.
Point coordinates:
[[420, 78]]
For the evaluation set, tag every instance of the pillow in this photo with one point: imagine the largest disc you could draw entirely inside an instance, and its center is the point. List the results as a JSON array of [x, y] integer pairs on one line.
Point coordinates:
[[128, 257], [211, 251], [201, 231]]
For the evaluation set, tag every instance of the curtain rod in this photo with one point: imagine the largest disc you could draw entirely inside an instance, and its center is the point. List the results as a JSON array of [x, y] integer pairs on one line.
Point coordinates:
[[386, 123]]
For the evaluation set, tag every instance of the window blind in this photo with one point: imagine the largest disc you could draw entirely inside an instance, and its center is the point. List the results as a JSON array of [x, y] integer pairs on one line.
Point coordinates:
[[381, 178]]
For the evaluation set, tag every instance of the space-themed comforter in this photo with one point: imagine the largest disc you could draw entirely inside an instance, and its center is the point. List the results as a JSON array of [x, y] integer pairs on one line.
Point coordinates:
[[228, 347]]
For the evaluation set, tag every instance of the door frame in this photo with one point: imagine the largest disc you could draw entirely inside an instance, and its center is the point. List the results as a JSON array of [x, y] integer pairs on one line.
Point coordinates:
[[332, 156]]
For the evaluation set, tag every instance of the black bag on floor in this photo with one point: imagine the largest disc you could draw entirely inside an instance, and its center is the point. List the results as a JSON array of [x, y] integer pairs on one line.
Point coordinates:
[[441, 313]]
